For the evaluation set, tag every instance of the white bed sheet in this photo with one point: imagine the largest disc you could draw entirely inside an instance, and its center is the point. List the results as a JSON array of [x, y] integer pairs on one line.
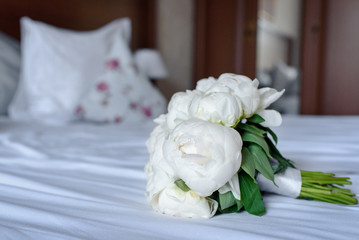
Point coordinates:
[[86, 181]]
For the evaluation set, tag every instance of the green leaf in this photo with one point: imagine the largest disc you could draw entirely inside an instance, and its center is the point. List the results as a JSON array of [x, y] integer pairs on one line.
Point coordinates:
[[274, 136], [283, 162], [234, 208], [249, 137], [226, 200], [248, 164], [251, 197], [268, 131], [239, 204], [261, 161], [273, 149], [250, 128], [182, 185], [255, 119]]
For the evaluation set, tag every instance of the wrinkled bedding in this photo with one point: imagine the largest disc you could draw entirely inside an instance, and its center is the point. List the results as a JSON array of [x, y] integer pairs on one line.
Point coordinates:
[[86, 181]]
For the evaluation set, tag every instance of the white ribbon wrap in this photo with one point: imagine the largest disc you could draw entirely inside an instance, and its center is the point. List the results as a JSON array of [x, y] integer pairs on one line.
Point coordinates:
[[289, 183]]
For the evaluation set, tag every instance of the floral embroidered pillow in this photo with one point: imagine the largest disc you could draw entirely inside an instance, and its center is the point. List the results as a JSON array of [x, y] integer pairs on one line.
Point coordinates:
[[121, 92]]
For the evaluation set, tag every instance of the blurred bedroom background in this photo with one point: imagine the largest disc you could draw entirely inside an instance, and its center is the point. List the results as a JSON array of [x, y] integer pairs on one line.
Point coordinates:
[[278, 47], [308, 47], [278, 43]]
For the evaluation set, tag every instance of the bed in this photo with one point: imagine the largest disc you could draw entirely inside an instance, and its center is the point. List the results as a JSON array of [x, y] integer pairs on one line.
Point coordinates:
[[68, 174], [93, 188]]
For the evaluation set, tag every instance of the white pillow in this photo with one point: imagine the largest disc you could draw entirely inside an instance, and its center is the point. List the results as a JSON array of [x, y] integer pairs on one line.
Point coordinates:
[[121, 92], [9, 70], [58, 66]]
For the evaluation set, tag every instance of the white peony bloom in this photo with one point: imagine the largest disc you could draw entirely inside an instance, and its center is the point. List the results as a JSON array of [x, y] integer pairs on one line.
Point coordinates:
[[267, 97], [204, 84], [157, 180], [272, 118], [253, 100], [158, 171], [154, 146], [174, 201], [234, 80], [217, 107], [161, 119], [204, 155], [178, 107], [242, 87]]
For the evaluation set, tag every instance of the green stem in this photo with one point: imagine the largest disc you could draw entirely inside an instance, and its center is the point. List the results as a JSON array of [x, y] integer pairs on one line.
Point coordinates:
[[321, 187]]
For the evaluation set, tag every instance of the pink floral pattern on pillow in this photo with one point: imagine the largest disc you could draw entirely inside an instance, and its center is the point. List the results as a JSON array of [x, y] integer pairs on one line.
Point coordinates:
[[112, 64], [79, 111], [147, 111], [144, 110], [102, 87], [120, 94], [133, 105]]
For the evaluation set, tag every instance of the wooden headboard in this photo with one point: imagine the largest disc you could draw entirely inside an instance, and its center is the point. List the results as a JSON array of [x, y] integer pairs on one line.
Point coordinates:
[[82, 15]]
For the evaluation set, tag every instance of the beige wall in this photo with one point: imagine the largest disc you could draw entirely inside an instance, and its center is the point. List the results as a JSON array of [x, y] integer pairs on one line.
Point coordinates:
[[175, 26]]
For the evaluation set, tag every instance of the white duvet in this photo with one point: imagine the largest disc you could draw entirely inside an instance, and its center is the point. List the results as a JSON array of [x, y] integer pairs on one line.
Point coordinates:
[[86, 181]]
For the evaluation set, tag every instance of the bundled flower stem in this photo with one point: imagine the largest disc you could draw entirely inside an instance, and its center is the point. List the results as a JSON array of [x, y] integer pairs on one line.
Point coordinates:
[[311, 185], [321, 187]]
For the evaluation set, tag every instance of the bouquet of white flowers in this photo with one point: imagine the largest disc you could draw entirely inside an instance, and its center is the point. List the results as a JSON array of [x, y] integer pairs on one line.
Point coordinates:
[[213, 152]]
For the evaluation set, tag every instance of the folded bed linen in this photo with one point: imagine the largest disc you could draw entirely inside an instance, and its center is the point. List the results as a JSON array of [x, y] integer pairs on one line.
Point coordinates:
[[86, 181]]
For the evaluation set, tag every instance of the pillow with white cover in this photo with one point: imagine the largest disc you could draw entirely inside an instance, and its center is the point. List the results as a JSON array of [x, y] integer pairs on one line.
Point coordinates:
[[58, 66], [121, 93], [9, 70]]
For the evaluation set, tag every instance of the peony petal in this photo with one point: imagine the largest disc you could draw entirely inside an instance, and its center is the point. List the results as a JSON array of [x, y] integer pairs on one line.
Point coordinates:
[[157, 181], [255, 83], [217, 107], [236, 77], [268, 96], [173, 201], [178, 108], [272, 118], [161, 119], [233, 186], [204, 84]]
